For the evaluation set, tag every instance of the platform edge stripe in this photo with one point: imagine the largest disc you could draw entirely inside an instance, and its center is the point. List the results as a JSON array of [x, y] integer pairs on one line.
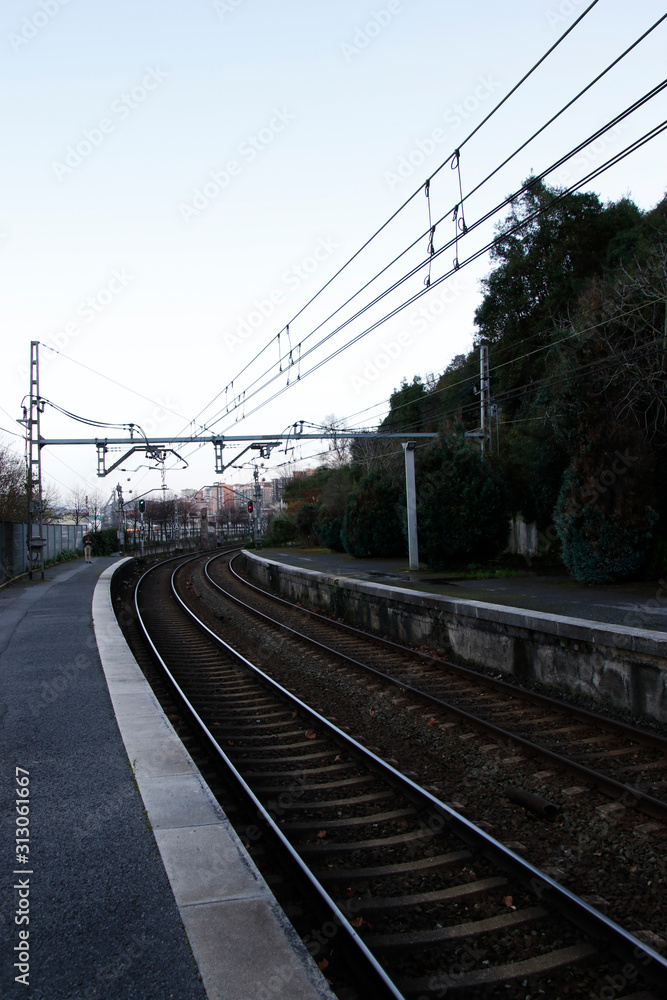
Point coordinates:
[[294, 959]]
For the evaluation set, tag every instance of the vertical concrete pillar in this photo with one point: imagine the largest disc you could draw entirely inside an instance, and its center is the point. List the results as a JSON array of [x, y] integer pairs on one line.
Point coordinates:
[[411, 493]]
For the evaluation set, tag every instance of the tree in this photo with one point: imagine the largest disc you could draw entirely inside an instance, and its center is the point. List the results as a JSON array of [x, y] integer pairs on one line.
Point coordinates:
[[95, 505], [605, 537], [76, 504], [610, 393], [406, 407], [372, 525], [457, 391], [333, 499], [373, 455], [550, 246], [282, 530], [462, 506], [339, 447], [13, 485]]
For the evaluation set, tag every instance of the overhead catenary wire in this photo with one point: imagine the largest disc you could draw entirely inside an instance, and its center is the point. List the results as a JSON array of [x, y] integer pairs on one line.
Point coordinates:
[[414, 194], [448, 274], [134, 392], [583, 370], [597, 171], [455, 163], [634, 106], [245, 395], [503, 364]]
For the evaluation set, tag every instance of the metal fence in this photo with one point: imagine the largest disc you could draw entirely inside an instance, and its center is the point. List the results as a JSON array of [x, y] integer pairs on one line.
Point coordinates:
[[14, 545]]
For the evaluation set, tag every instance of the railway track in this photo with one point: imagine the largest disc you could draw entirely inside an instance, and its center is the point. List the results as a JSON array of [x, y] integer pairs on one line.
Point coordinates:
[[625, 762], [428, 903]]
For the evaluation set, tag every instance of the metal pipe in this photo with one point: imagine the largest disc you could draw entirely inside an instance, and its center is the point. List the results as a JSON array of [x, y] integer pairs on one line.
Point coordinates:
[[536, 804]]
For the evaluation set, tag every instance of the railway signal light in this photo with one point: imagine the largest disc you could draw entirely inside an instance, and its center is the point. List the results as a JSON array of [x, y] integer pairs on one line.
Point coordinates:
[[250, 506]]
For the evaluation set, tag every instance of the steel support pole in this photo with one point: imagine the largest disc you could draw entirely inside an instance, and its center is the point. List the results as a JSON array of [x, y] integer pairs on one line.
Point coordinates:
[[411, 493], [485, 420], [34, 469]]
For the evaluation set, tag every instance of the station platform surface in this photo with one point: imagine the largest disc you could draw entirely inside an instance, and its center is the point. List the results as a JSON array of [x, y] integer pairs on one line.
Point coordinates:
[[637, 605], [135, 886]]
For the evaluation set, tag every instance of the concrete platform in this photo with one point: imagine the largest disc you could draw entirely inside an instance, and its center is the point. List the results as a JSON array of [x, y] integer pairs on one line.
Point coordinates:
[[631, 605], [623, 664], [139, 889]]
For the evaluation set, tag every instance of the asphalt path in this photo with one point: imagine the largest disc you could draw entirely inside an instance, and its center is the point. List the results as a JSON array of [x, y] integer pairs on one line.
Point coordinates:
[[103, 922]]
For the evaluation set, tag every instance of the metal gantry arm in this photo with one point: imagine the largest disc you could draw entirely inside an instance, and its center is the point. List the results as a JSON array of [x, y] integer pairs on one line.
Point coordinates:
[[158, 455], [264, 443]]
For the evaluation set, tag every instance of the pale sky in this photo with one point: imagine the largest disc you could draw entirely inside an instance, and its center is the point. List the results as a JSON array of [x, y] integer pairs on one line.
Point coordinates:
[[182, 177]]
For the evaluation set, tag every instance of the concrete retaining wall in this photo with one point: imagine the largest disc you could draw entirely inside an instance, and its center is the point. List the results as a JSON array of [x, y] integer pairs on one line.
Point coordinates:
[[625, 666]]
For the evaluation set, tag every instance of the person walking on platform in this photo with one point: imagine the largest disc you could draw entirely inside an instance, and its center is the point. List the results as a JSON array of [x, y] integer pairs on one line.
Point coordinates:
[[87, 546]]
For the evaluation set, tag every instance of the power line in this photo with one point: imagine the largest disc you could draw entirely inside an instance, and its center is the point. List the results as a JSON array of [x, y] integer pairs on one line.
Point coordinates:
[[520, 224], [632, 147], [408, 200], [503, 364], [13, 433], [114, 382], [244, 397]]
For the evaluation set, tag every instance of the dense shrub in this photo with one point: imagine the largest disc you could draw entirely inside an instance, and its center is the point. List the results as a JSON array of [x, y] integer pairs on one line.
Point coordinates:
[[105, 542], [328, 531], [282, 531], [372, 525], [599, 544], [462, 509]]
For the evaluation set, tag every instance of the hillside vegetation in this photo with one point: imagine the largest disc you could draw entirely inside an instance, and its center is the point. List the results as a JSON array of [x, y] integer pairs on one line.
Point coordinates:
[[574, 317]]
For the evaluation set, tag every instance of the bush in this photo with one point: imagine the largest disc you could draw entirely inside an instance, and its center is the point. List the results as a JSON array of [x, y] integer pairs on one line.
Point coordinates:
[[105, 542], [601, 545], [328, 531], [463, 508], [282, 531], [306, 515], [372, 524]]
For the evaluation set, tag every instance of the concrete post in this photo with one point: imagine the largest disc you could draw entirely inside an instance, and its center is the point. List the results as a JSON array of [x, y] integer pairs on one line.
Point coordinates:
[[411, 493]]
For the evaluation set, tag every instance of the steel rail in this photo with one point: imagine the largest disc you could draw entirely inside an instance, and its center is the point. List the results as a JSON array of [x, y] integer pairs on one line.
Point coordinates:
[[633, 797], [382, 981], [580, 913], [585, 715]]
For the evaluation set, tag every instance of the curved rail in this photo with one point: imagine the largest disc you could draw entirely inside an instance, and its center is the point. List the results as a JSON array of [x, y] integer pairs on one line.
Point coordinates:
[[539, 884], [384, 986], [634, 797]]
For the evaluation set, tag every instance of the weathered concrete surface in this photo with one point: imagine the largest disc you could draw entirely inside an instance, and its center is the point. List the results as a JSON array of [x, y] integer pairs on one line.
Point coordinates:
[[623, 665]]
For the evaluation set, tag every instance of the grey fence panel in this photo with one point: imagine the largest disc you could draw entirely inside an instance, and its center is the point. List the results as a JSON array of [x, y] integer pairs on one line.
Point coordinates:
[[13, 551], [14, 545]]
